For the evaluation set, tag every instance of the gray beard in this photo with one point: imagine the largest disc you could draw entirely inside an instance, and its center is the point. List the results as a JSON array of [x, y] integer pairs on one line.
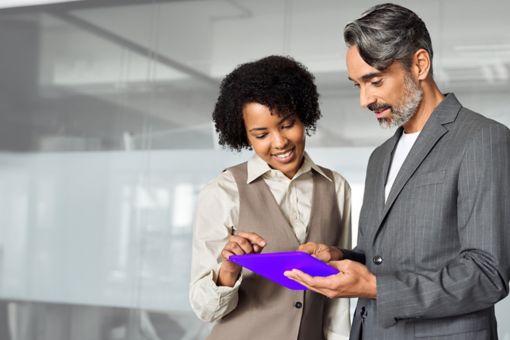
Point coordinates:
[[411, 100]]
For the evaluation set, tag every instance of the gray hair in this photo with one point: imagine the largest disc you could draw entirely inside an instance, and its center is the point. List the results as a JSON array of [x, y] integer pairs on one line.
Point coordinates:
[[387, 33]]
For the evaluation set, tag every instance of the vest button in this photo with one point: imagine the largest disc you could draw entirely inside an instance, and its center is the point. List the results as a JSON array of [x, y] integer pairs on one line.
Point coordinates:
[[377, 259], [298, 305]]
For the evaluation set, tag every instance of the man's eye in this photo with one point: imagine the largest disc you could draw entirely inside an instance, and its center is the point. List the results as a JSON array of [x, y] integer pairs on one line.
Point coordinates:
[[376, 83], [356, 85]]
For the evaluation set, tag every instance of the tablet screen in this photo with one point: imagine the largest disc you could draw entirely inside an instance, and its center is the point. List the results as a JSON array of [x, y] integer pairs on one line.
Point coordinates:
[[273, 265]]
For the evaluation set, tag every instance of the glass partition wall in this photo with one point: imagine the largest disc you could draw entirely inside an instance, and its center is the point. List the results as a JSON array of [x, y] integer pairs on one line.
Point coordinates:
[[106, 139]]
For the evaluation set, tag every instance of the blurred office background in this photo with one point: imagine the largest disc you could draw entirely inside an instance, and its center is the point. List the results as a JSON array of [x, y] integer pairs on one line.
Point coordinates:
[[106, 139]]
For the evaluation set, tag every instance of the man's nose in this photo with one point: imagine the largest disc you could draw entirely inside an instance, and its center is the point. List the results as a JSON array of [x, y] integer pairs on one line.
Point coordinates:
[[365, 98]]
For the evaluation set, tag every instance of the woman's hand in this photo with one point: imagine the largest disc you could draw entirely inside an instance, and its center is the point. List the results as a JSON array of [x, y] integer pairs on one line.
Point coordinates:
[[321, 251], [238, 244]]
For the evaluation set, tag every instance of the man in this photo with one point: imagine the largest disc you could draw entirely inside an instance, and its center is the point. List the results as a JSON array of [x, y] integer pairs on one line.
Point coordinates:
[[435, 222]]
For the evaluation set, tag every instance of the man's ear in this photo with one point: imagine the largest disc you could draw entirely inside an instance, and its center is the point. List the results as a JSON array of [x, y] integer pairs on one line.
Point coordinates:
[[421, 64]]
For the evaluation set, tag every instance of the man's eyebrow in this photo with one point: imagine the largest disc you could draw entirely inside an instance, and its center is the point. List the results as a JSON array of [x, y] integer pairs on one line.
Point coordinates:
[[368, 76]]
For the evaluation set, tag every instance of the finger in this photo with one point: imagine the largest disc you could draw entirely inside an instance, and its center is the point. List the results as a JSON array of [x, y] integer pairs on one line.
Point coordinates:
[[308, 281], [308, 247], [343, 265], [324, 291], [252, 237], [298, 275], [315, 282], [323, 254], [338, 265], [243, 243], [235, 248], [295, 276], [225, 253]]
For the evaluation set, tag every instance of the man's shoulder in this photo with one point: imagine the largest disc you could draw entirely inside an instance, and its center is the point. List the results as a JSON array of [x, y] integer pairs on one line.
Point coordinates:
[[473, 122]]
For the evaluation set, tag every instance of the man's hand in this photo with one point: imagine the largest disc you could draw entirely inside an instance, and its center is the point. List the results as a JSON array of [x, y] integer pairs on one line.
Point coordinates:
[[354, 280], [238, 244], [321, 251]]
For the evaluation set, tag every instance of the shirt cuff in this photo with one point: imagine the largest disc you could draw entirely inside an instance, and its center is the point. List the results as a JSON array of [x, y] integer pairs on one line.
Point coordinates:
[[353, 255]]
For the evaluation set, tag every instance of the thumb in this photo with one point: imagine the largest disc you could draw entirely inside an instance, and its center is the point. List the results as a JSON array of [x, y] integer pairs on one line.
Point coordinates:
[[342, 266]]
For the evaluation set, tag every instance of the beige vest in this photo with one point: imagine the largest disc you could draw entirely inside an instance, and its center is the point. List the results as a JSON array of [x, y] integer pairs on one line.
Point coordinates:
[[267, 311]]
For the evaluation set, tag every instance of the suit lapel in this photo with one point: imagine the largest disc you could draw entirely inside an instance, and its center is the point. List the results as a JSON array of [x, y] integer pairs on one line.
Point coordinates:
[[387, 155], [375, 195]]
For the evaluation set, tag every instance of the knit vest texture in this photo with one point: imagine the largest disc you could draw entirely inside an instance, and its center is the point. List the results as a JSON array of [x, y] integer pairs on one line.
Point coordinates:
[[266, 310]]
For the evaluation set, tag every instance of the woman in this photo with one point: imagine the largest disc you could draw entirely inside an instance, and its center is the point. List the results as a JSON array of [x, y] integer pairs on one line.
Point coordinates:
[[276, 201]]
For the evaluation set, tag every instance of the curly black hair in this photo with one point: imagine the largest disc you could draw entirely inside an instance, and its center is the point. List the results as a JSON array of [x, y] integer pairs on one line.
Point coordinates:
[[280, 83]]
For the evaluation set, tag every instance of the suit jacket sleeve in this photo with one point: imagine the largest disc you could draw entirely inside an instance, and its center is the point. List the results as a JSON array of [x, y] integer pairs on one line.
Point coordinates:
[[478, 276], [354, 255]]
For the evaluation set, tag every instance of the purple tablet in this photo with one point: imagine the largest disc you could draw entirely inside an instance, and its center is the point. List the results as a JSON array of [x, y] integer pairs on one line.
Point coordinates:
[[272, 265]]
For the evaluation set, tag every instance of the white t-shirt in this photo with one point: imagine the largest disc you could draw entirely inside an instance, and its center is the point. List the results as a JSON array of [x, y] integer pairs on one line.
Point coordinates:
[[404, 145]]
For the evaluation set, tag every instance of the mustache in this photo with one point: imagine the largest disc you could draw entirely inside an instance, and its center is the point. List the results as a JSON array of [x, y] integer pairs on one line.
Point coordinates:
[[378, 107]]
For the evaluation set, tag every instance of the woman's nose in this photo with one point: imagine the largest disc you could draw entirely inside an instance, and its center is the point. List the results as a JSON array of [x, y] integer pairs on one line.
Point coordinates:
[[280, 141]]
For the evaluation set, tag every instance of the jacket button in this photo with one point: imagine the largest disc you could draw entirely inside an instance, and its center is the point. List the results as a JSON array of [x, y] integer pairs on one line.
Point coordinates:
[[298, 305], [377, 259]]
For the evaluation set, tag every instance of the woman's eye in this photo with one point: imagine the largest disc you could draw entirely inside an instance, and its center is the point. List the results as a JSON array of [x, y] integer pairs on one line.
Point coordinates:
[[261, 136], [288, 125]]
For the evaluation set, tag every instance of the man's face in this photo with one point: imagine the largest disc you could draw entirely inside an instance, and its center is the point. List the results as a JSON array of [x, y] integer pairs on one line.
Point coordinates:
[[392, 94]]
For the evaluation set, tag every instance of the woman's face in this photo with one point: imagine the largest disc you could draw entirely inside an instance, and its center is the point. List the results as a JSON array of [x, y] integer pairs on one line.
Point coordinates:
[[279, 141]]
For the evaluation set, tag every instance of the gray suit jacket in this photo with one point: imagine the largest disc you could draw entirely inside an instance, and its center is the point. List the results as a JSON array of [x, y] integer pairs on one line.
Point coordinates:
[[440, 245]]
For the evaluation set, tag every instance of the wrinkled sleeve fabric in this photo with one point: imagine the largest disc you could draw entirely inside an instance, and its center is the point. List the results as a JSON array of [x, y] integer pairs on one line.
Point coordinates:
[[216, 211]]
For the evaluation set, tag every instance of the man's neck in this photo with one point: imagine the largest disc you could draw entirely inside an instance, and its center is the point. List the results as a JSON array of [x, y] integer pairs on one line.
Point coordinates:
[[432, 96]]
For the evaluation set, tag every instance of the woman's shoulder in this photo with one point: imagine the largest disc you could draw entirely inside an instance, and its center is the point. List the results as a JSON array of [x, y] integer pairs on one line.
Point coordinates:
[[221, 185], [337, 177], [341, 183]]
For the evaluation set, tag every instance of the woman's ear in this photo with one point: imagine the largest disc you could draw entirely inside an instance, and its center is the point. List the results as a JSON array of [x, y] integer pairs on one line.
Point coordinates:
[[421, 64]]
